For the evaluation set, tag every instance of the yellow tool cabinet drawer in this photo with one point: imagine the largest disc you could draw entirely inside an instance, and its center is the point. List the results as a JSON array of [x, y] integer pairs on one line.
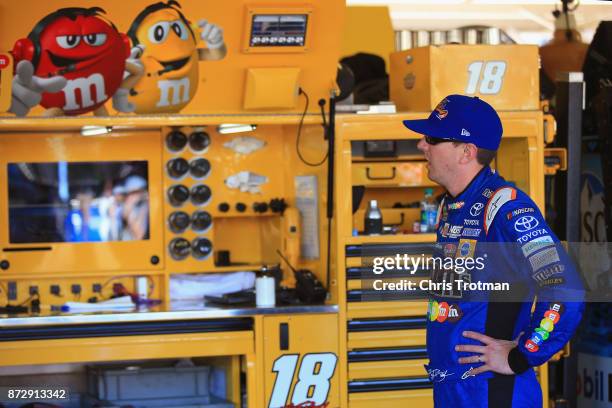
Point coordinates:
[[387, 369], [381, 283], [389, 338], [422, 398], [360, 310], [394, 174], [391, 362]]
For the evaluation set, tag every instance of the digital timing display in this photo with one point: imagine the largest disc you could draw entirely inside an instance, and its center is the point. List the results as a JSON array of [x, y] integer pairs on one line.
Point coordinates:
[[278, 30]]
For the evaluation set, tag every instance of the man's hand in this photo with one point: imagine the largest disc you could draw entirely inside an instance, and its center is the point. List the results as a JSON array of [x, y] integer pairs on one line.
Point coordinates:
[[211, 33], [27, 88], [494, 353]]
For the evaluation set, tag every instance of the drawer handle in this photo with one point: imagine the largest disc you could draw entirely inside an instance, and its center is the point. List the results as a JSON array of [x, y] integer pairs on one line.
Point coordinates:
[[283, 334], [369, 177]]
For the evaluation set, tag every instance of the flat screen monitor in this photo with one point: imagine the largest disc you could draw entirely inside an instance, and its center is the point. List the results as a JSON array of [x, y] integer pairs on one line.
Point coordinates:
[[78, 201]]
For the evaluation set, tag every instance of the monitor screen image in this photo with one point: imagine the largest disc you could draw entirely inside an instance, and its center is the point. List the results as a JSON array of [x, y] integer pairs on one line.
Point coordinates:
[[78, 201]]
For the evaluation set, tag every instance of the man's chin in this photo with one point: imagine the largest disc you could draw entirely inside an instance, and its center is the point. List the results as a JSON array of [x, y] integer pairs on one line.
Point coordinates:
[[431, 176]]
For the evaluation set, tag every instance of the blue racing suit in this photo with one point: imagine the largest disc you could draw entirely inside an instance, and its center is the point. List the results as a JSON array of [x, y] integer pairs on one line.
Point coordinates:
[[494, 222]]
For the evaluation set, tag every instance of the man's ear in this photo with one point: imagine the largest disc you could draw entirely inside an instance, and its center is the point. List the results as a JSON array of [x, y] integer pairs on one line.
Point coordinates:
[[469, 153]]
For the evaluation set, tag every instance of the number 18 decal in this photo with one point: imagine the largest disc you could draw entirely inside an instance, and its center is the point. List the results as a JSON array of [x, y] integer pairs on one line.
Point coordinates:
[[313, 382], [492, 77]]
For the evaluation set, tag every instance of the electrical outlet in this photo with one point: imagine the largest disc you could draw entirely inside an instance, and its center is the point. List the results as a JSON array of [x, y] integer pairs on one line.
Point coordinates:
[[33, 290], [96, 288], [75, 289], [12, 290]]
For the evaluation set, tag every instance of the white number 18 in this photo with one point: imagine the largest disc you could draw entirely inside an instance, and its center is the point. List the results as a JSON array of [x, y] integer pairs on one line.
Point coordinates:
[[492, 77], [314, 375]]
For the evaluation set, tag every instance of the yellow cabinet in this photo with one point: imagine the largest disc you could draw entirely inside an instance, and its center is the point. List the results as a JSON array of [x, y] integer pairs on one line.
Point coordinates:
[[301, 360]]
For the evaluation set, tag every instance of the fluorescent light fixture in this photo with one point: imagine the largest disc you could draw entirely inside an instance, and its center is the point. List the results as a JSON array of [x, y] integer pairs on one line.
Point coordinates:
[[226, 128], [95, 130]]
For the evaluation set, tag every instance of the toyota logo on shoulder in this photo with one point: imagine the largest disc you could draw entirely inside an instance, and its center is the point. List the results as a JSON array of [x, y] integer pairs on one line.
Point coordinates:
[[526, 223], [476, 209]]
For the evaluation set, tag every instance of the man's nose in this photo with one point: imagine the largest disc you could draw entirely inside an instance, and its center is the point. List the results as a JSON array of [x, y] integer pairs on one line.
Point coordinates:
[[422, 145]]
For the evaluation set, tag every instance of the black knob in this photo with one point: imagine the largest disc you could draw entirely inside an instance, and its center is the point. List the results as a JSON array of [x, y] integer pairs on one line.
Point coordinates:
[[224, 207], [200, 221], [241, 207], [179, 248], [201, 248], [178, 194], [179, 221], [154, 259], [199, 141], [260, 207], [199, 168], [178, 167], [200, 194], [278, 205], [4, 265], [176, 140]]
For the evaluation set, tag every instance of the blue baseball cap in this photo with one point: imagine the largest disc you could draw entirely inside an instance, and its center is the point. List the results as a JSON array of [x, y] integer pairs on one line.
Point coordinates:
[[466, 119]]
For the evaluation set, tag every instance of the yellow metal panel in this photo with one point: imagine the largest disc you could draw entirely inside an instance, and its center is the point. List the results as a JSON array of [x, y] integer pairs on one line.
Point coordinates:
[[353, 262], [155, 281], [86, 256], [410, 74], [506, 76], [307, 336], [125, 348], [387, 369], [368, 29], [268, 88], [227, 226], [392, 399], [387, 338], [359, 310]]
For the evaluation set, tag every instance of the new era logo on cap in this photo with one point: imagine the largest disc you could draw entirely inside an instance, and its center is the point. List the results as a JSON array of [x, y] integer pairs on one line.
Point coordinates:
[[451, 116]]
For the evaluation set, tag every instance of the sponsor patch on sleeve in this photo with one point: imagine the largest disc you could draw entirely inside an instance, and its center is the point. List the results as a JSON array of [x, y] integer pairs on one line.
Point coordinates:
[[537, 244], [519, 211], [544, 258], [547, 325], [548, 275]]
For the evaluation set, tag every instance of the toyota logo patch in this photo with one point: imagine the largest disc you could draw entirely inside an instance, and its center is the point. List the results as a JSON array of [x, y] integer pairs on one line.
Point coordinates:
[[526, 223], [476, 209]]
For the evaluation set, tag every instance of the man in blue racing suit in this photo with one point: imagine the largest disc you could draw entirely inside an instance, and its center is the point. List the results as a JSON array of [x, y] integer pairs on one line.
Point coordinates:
[[483, 344]]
